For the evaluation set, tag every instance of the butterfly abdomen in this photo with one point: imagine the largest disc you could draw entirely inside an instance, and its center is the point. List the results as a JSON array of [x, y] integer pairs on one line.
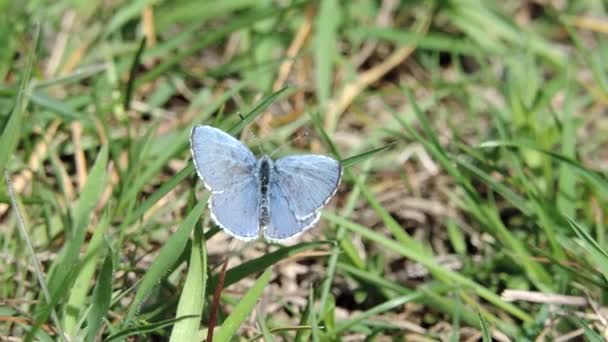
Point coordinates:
[[264, 170]]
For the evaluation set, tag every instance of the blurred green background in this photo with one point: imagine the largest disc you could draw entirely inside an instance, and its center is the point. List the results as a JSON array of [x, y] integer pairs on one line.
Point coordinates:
[[483, 219]]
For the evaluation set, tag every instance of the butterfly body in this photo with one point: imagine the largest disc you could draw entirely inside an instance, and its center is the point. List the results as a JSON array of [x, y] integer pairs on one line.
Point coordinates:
[[250, 198], [265, 173]]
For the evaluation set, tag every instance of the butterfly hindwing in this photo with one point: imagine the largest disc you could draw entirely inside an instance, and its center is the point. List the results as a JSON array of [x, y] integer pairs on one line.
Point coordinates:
[[236, 210], [283, 223], [307, 182]]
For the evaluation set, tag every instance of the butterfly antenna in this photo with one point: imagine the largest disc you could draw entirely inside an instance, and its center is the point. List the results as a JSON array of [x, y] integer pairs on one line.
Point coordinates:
[[299, 136], [257, 141]]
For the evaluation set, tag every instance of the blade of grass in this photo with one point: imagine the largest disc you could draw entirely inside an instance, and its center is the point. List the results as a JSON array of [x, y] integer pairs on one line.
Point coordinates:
[[145, 328], [313, 315], [298, 328], [253, 114], [192, 298], [12, 130], [376, 310], [243, 308], [64, 270], [363, 156], [102, 295], [597, 253], [591, 335], [249, 267], [166, 258], [486, 336], [129, 88], [36, 262], [261, 319], [96, 247], [325, 36]]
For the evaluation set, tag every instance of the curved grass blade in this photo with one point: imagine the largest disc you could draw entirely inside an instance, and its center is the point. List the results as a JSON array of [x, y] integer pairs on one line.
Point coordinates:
[[129, 91], [159, 193], [364, 156], [597, 253], [243, 308], [12, 130], [245, 269], [249, 117], [144, 328], [102, 295], [486, 335], [192, 299], [64, 269], [276, 330], [378, 309], [49, 309], [591, 335], [166, 258]]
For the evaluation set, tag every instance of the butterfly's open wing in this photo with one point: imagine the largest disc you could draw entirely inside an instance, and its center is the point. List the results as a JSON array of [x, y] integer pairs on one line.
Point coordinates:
[[227, 168], [307, 181], [220, 160], [236, 210], [283, 223]]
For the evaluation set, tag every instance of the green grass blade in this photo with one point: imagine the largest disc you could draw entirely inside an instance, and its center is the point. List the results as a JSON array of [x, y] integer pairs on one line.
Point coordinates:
[[591, 335], [102, 295], [486, 335], [146, 328], [266, 334], [65, 267], [378, 309], [326, 27], [363, 156], [597, 253], [132, 74], [166, 258], [96, 247], [12, 131], [159, 193], [126, 13], [247, 268], [192, 298], [253, 114], [243, 308], [62, 109]]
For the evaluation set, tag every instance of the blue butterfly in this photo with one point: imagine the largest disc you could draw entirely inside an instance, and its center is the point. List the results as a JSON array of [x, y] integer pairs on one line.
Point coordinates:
[[250, 198]]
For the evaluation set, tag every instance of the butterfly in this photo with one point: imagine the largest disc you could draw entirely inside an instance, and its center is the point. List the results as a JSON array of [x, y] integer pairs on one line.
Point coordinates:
[[261, 197]]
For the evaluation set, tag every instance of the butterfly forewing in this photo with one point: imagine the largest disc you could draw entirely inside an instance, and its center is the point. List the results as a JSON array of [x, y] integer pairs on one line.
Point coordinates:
[[220, 160], [307, 182]]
